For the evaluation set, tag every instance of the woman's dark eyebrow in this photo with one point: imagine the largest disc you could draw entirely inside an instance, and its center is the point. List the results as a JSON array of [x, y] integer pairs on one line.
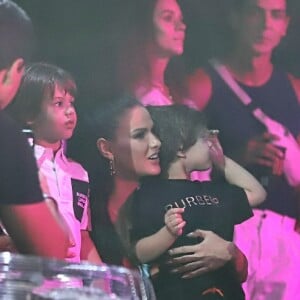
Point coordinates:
[[138, 130], [169, 11], [277, 10]]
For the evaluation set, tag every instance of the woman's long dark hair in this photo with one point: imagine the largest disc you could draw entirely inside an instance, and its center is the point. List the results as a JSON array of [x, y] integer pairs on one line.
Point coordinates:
[[133, 68], [136, 32], [102, 122]]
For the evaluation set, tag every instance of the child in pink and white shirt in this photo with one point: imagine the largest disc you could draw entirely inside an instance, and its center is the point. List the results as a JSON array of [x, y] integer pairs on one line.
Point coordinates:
[[45, 103]]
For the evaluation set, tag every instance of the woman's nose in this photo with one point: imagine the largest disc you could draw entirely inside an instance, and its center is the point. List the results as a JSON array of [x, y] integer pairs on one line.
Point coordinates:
[[155, 142], [181, 25]]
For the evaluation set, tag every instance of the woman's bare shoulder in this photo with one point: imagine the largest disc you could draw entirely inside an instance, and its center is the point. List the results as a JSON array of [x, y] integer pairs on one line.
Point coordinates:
[[199, 87]]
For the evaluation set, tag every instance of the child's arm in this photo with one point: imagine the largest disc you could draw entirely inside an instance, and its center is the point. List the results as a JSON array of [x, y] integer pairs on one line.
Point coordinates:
[[88, 250], [153, 246], [237, 175]]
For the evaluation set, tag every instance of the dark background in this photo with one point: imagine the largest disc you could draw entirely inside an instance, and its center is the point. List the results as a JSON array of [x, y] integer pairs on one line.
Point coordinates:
[[79, 36]]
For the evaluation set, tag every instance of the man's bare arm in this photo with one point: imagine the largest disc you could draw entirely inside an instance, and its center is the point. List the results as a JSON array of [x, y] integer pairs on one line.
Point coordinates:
[[35, 229]]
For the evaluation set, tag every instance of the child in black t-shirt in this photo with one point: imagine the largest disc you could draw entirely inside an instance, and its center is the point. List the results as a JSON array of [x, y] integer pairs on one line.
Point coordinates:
[[165, 209]]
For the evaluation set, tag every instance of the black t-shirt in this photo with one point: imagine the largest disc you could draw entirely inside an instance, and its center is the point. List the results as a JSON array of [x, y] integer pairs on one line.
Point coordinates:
[[19, 182], [208, 206], [277, 99]]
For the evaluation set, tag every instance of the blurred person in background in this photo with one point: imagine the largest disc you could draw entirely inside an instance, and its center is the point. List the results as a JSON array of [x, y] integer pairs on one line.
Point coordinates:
[[30, 220], [255, 105]]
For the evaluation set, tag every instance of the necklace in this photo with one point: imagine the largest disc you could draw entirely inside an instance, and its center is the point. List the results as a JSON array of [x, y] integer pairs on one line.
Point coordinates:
[[163, 89]]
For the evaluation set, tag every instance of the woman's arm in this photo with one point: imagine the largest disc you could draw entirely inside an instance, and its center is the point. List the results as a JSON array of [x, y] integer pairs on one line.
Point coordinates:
[[211, 254], [153, 246]]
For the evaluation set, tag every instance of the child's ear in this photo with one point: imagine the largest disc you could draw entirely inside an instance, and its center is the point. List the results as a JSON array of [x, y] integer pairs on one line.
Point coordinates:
[[30, 123], [181, 154], [104, 147]]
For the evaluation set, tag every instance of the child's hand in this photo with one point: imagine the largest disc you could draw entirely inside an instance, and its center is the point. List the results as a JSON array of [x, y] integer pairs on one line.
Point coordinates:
[[174, 221], [216, 152]]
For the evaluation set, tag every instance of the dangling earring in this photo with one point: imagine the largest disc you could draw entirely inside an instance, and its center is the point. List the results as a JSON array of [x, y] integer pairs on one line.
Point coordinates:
[[112, 169]]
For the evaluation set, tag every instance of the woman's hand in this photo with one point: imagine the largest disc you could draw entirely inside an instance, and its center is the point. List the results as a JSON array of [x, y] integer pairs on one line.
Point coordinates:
[[210, 254], [174, 221]]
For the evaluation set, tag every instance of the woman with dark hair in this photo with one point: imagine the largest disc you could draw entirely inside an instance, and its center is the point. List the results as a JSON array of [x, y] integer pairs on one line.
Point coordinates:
[[165, 208], [154, 34], [129, 151]]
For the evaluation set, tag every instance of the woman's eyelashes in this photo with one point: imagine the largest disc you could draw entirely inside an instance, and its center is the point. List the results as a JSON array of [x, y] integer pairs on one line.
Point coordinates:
[[139, 134], [171, 18]]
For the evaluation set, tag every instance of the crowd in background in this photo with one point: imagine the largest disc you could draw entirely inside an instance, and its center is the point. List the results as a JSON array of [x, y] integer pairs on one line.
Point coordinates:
[[236, 61]]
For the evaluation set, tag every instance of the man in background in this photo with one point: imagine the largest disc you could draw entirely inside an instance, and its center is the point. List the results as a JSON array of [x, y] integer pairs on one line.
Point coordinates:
[[271, 239], [28, 218]]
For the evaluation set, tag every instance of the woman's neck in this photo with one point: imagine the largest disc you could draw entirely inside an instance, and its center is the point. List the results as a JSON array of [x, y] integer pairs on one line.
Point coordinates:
[[248, 68], [158, 67], [122, 190], [156, 79]]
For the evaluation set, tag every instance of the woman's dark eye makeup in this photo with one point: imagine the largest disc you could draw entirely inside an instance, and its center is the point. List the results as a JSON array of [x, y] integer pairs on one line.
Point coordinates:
[[139, 134]]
